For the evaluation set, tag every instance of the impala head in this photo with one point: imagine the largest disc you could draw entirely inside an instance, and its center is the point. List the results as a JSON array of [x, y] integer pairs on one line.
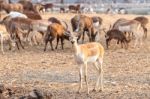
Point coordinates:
[[73, 39]]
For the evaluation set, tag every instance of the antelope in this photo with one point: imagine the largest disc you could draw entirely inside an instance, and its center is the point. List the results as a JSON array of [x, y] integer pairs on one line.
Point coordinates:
[[11, 7], [118, 35], [144, 21], [130, 26], [58, 31], [92, 52], [5, 37], [27, 5], [14, 14], [74, 8]]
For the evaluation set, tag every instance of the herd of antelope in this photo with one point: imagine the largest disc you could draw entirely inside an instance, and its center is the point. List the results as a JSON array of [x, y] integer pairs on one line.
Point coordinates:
[[23, 23]]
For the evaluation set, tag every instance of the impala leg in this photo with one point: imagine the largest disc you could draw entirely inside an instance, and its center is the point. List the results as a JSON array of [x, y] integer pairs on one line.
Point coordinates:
[[85, 75], [57, 42], [51, 44], [97, 68], [125, 44], [21, 43], [101, 74], [2, 49], [17, 45], [136, 40], [141, 42], [80, 75], [46, 41], [62, 42], [83, 37]]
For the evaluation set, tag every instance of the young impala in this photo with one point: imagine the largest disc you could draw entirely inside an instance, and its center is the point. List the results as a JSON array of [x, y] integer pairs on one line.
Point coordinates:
[[89, 53]]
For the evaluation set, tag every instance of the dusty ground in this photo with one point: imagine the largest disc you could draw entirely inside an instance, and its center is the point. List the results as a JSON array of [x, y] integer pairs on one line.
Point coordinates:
[[126, 72]]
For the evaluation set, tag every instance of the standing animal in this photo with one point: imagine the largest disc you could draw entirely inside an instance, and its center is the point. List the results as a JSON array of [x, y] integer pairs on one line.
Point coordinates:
[[39, 8], [61, 22], [130, 26], [32, 15], [89, 53], [5, 37], [14, 14], [144, 21], [74, 8], [11, 7], [54, 20], [82, 24], [118, 35], [48, 6], [17, 35], [58, 31], [27, 5], [31, 27], [62, 10], [97, 23]]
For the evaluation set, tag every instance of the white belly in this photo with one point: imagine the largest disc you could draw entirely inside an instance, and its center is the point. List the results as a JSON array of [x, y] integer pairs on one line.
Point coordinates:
[[92, 59], [80, 59]]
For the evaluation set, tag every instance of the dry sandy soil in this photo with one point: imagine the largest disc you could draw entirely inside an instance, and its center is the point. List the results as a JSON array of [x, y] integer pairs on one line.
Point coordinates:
[[126, 72]]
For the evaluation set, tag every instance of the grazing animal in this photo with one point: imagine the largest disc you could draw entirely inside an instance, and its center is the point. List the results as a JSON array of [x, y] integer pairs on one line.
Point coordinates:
[[14, 14], [5, 37], [121, 21], [48, 6], [62, 10], [15, 27], [130, 26], [54, 20], [74, 8], [30, 26], [97, 20], [32, 15], [89, 53], [134, 27], [39, 8], [118, 35], [82, 24], [144, 21], [118, 22], [11, 7], [97, 23], [17, 35], [22, 23], [27, 5], [58, 31]]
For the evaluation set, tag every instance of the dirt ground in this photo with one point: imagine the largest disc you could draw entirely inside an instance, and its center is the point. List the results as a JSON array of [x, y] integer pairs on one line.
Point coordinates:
[[126, 72]]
